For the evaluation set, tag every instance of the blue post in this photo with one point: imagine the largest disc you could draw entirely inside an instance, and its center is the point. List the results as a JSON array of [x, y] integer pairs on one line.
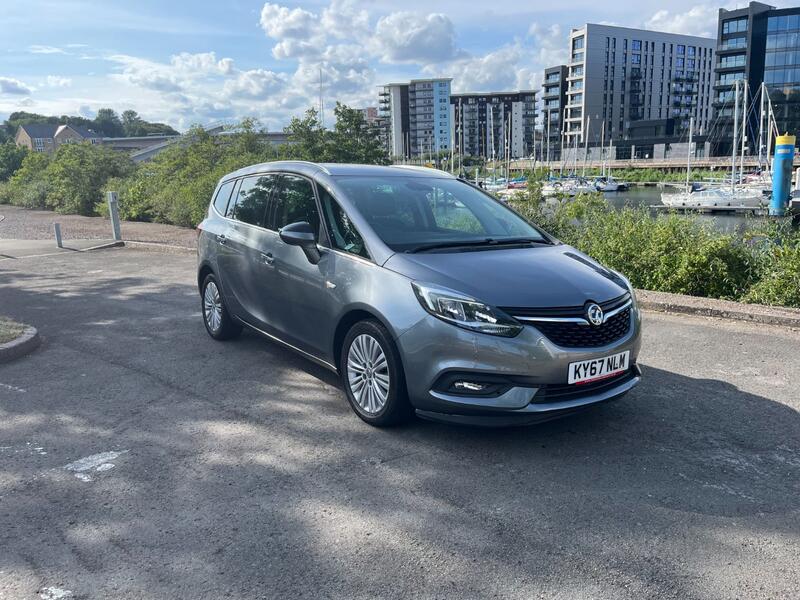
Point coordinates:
[[782, 175]]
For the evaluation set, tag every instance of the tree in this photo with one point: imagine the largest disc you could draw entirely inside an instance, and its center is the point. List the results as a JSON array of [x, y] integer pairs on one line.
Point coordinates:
[[307, 138], [132, 124], [78, 173], [11, 158], [108, 123], [352, 140]]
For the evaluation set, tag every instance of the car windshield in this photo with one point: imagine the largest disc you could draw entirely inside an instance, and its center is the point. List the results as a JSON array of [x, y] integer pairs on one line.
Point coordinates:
[[414, 214]]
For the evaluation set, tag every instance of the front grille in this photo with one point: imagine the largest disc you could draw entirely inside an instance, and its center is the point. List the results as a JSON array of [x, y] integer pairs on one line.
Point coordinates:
[[565, 393], [568, 311], [575, 335], [578, 335]]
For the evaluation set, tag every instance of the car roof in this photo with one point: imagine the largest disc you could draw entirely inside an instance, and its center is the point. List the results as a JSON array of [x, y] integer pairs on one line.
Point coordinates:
[[335, 169]]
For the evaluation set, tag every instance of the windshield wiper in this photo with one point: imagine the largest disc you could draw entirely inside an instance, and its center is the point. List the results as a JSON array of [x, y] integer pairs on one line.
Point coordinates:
[[477, 243]]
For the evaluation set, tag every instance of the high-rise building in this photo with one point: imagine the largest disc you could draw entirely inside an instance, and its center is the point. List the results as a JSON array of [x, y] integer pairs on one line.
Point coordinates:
[[489, 124], [554, 99], [757, 44], [415, 117], [370, 114], [630, 83]]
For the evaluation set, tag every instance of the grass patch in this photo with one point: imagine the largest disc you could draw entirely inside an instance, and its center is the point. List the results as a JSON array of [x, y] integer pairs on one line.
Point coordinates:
[[9, 330]]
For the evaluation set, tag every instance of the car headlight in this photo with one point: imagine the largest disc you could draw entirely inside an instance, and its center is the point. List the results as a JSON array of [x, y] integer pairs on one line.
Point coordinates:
[[464, 311]]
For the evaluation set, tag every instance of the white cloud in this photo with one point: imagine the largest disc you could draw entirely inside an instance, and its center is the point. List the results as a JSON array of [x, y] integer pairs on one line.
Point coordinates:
[[700, 20], [14, 87], [37, 49], [280, 22], [254, 84], [411, 37], [56, 81]]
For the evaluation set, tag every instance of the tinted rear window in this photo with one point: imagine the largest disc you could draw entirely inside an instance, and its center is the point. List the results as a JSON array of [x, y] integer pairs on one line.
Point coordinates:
[[223, 195], [252, 199]]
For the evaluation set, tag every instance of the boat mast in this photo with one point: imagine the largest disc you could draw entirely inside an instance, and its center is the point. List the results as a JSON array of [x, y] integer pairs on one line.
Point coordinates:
[[610, 148], [761, 125], [735, 137], [548, 139], [744, 128], [689, 156], [586, 144], [563, 138], [603, 147]]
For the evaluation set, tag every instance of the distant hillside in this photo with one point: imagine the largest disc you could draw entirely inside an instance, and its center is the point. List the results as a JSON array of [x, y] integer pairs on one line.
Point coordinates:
[[107, 123]]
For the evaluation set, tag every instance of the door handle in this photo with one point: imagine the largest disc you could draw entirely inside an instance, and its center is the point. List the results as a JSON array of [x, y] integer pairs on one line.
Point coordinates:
[[267, 259]]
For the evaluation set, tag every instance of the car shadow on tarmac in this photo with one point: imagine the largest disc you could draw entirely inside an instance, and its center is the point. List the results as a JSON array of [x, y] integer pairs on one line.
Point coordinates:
[[244, 469]]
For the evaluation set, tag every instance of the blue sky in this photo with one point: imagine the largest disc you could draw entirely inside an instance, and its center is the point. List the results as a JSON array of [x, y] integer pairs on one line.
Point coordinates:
[[196, 62]]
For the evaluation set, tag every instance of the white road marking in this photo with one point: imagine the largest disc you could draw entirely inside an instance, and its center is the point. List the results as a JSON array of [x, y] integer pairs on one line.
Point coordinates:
[[54, 593], [12, 388], [96, 462]]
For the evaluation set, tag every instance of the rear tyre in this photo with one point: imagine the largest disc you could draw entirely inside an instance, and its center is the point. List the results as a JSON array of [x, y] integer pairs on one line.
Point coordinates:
[[372, 375], [219, 324]]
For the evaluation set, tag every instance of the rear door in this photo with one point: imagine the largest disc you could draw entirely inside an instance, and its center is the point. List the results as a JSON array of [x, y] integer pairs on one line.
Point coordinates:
[[246, 260], [301, 308]]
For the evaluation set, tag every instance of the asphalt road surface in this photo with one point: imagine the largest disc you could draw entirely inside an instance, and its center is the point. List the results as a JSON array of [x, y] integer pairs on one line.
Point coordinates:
[[141, 459]]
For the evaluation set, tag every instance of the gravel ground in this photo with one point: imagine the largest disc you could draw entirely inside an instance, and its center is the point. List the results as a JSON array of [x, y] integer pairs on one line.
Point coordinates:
[[24, 224], [139, 459]]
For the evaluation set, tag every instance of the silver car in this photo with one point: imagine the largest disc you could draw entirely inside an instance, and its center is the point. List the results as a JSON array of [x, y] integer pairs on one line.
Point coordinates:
[[424, 293]]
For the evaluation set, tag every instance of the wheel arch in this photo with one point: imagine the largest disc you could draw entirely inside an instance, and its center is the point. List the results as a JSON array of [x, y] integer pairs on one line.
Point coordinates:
[[350, 318], [204, 271]]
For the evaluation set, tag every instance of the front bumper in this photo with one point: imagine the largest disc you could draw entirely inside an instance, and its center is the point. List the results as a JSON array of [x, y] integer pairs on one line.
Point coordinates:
[[525, 367]]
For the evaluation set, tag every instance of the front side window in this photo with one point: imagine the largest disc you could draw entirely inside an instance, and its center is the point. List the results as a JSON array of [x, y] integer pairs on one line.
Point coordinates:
[[294, 203], [410, 213], [252, 199], [343, 234]]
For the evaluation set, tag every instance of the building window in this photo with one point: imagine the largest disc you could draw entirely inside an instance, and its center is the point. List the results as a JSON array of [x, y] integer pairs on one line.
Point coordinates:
[[735, 25], [38, 144], [577, 44], [636, 59], [636, 45]]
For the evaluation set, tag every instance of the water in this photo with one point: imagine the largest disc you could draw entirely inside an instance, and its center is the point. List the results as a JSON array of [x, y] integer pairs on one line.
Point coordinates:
[[644, 196]]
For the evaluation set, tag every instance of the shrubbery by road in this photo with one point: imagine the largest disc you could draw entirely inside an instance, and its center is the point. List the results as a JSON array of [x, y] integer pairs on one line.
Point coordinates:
[[671, 253], [676, 253]]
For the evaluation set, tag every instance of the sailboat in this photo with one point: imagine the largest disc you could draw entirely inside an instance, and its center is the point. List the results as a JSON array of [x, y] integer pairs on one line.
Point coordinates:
[[722, 197]]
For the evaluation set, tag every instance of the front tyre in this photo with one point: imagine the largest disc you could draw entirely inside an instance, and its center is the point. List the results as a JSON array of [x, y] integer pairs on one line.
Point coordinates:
[[372, 375], [216, 318]]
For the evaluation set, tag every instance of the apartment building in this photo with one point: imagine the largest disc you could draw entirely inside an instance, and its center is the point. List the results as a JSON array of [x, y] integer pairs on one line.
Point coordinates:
[[757, 44], [554, 99], [415, 117], [627, 84], [491, 124]]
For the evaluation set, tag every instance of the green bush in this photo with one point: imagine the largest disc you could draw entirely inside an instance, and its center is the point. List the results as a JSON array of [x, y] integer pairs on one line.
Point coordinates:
[[779, 283], [675, 253]]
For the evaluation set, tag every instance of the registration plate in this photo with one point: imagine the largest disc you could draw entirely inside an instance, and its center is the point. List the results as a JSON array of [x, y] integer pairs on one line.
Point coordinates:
[[595, 369]]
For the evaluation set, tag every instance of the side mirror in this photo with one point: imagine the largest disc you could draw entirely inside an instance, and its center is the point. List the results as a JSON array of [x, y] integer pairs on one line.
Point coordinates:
[[303, 235]]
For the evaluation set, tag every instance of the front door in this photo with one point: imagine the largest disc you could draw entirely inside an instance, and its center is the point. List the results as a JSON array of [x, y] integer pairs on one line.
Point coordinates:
[[300, 310], [247, 263]]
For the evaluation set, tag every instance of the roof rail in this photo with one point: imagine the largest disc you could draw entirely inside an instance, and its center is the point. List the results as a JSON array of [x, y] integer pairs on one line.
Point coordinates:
[[423, 169], [309, 162]]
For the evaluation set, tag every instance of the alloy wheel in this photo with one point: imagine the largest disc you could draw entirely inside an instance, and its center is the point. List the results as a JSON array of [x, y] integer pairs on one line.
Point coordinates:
[[368, 374], [212, 306]]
